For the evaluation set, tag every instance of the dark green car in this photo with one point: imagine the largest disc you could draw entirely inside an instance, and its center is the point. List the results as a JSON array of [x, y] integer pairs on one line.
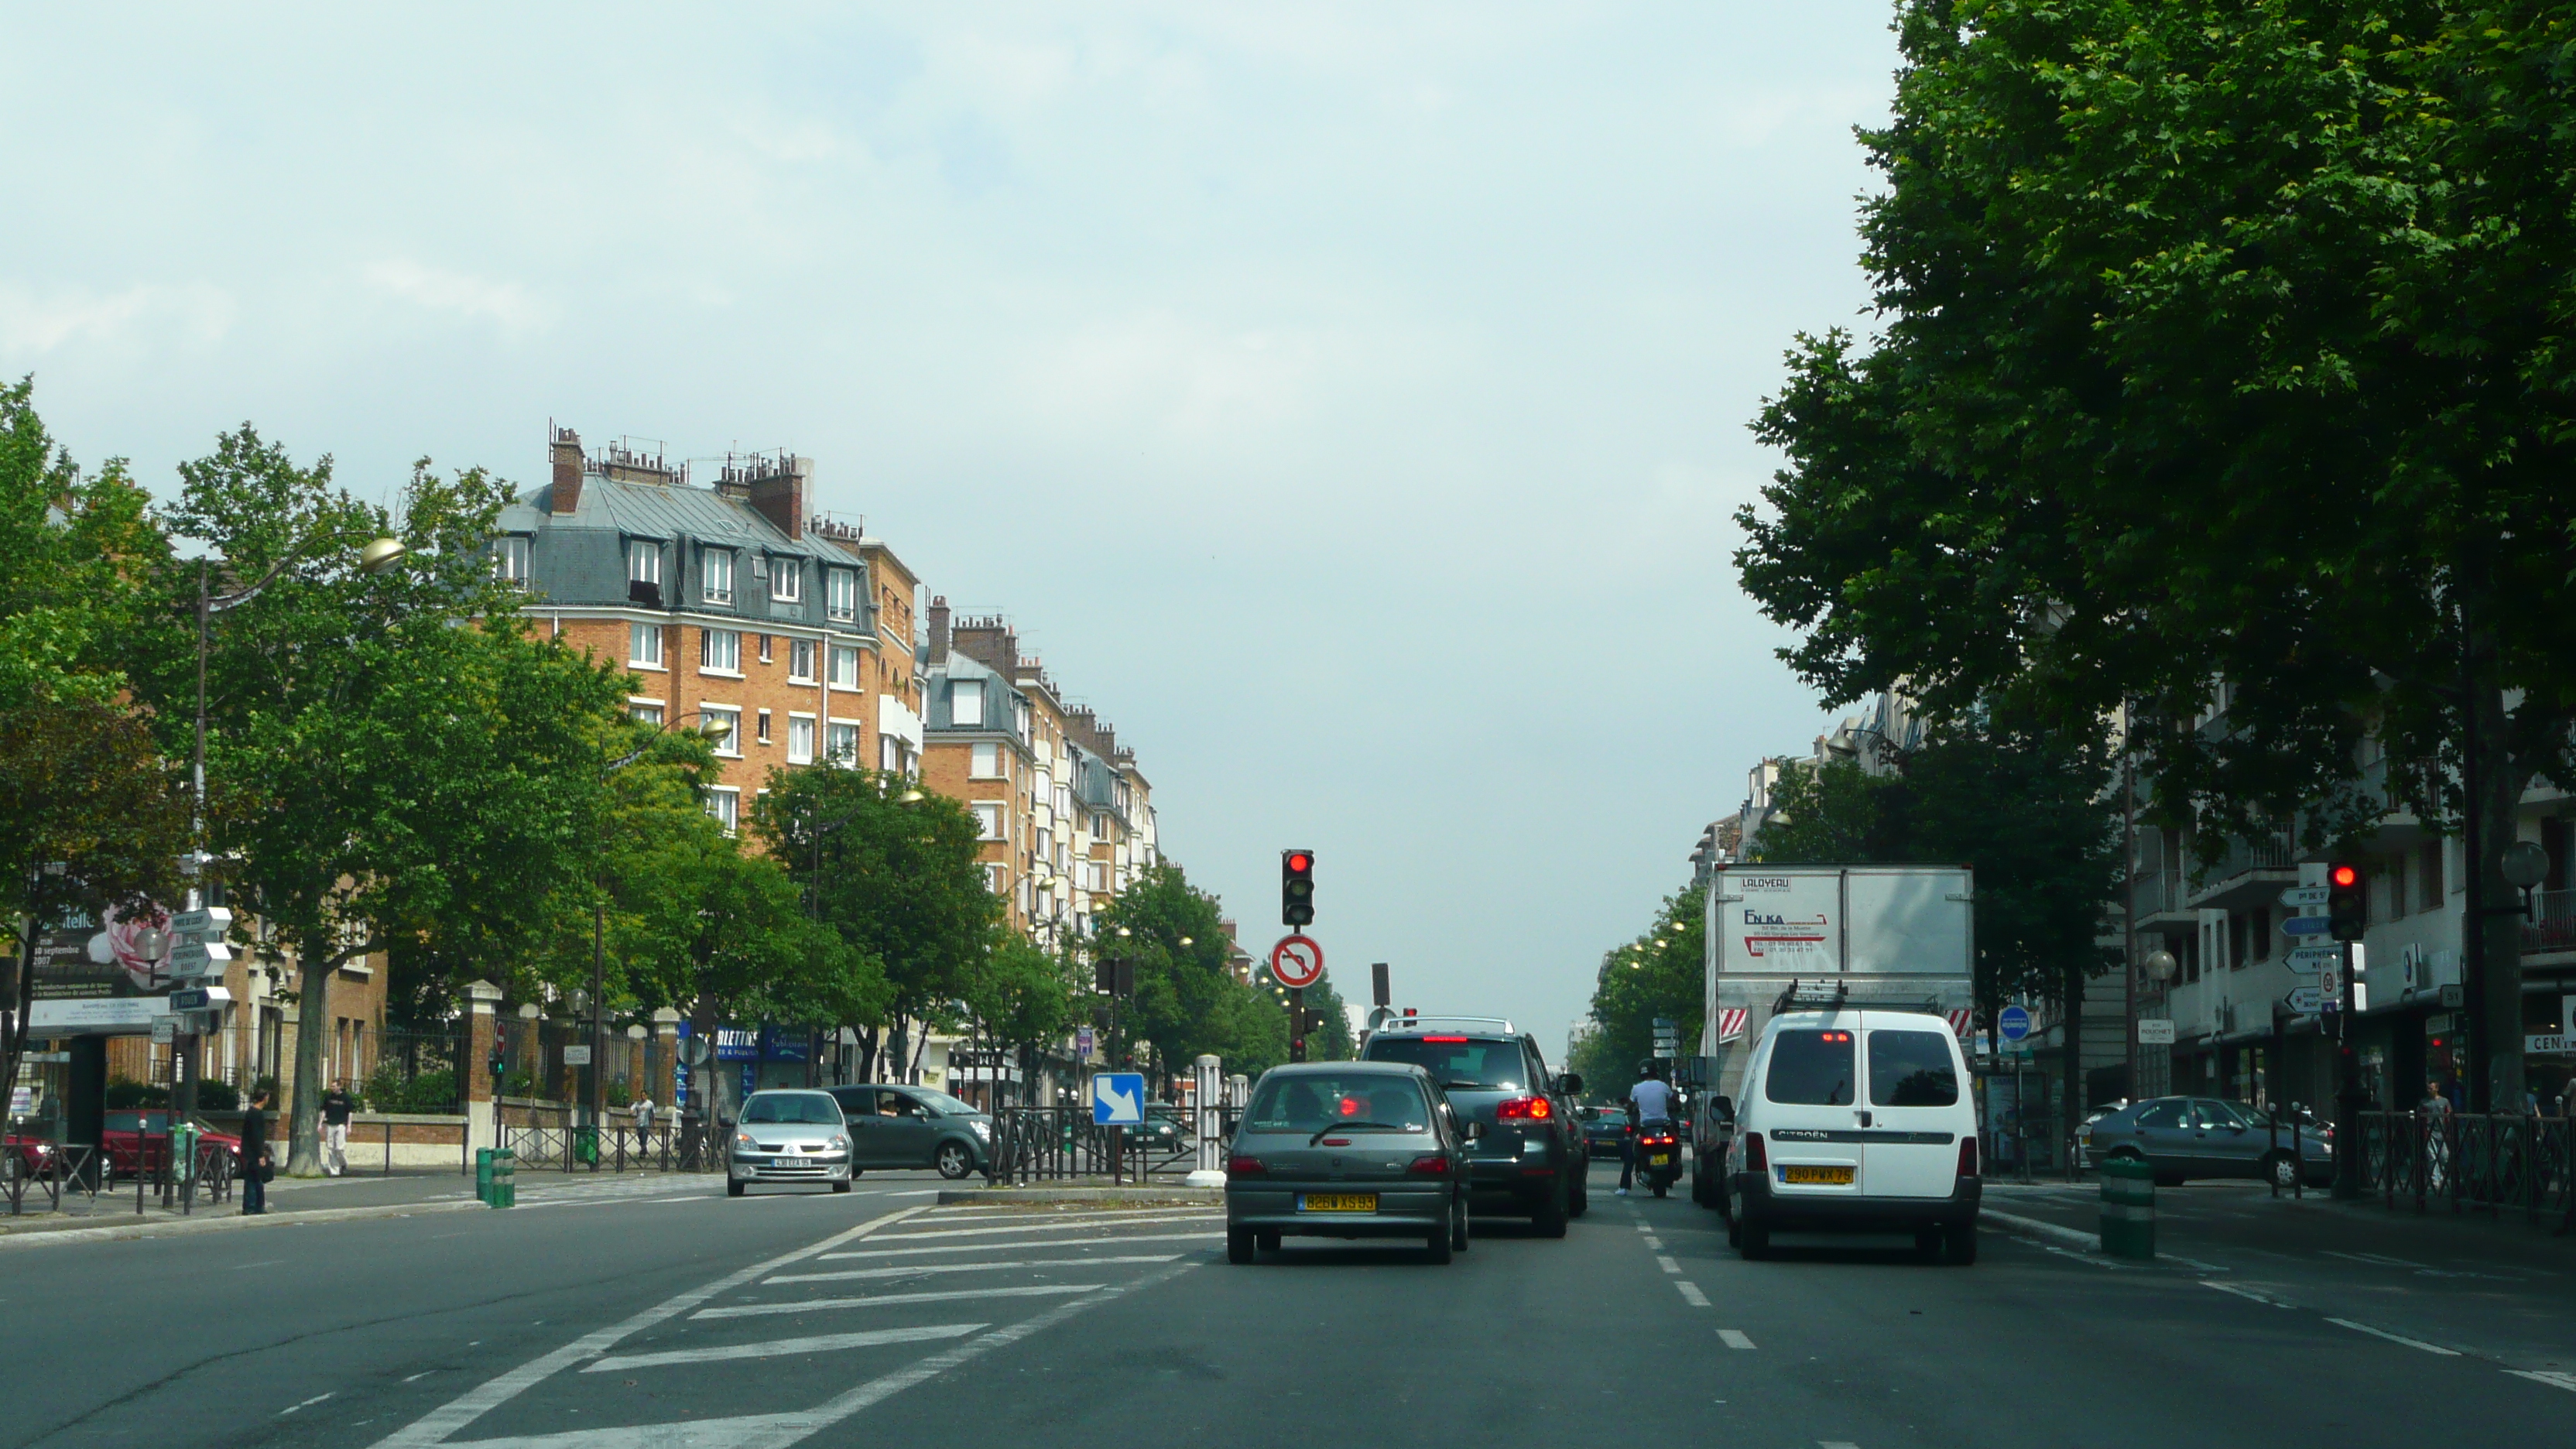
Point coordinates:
[[1529, 1157], [1346, 1150]]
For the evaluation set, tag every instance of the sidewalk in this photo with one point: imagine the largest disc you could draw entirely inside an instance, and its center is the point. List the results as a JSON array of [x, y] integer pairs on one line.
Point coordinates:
[[353, 1195]]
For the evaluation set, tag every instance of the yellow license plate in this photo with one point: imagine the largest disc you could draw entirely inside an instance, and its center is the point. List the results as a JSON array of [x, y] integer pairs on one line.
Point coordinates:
[[1830, 1176], [1658, 1160], [1337, 1202]]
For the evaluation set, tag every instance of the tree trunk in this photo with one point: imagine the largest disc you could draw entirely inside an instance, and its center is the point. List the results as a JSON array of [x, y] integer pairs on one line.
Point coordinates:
[[312, 1018], [2074, 1096]]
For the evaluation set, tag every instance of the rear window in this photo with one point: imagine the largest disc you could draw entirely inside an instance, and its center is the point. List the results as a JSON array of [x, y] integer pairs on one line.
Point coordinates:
[[1458, 1061], [1911, 1069], [1310, 1102], [1810, 1069], [811, 1108]]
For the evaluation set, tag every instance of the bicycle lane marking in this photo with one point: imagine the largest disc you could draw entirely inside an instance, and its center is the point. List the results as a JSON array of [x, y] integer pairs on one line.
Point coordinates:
[[438, 1424]]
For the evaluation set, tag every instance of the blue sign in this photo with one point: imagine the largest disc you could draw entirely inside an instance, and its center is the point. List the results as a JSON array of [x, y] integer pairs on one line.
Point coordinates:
[[2014, 1023], [2306, 926], [1117, 1099]]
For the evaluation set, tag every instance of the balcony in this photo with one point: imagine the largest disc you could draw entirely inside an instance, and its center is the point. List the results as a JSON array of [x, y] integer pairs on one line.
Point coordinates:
[[2252, 873], [2159, 903], [2551, 926]]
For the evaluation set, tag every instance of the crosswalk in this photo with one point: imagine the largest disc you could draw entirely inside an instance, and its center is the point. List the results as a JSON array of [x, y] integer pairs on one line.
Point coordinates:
[[771, 1354]]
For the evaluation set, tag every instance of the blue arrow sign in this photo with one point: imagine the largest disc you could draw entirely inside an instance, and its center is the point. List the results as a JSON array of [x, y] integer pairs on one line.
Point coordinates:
[[2014, 1023], [1117, 1099], [2306, 926]]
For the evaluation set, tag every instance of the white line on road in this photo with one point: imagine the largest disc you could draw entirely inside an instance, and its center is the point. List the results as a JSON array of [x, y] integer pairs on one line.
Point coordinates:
[[2394, 1337], [781, 1347], [1691, 1294], [2241, 1292], [1733, 1338], [2377, 1260], [1044, 1227], [847, 1275], [308, 1403], [1835, 1444], [1043, 1214], [817, 1305], [1024, 1247], [1654, 1244], [1668, 1265], [2542, 1376]]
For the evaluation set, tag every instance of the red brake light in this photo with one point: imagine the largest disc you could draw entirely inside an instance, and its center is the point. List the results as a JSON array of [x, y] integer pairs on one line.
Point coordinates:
[[1834, 1036], [1755, 1159], [1535, 1109], [1430, 1164], [1350, 1107], [1241, 1166], [1967, 1157], [1446, 1039]]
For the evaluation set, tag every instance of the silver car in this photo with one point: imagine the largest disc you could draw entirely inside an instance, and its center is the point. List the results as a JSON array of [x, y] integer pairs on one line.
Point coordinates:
[[789, 1136], [1346, 1150]]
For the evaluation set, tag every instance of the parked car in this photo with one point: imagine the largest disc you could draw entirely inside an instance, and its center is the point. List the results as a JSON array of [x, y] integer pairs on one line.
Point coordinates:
[[1604, 1130], [139, 1142], [900, 1127], [34, 1154], [2182, 1138], [1347, 1150], [794, 1135], [1529, 1156]]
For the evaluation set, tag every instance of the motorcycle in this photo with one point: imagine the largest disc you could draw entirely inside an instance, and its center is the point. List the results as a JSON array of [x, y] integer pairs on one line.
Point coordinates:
[[1659, 1154]]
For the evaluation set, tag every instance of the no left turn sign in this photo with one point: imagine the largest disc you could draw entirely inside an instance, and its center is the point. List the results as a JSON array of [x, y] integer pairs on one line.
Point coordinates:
[[1297, 962]]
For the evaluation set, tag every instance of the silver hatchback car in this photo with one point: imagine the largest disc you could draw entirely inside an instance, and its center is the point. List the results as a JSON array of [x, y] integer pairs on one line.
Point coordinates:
[[1346, 1150], [789, 1136]]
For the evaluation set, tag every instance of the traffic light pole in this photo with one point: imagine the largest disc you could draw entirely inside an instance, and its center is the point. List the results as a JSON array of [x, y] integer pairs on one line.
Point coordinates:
[[1296, 1023], [2347, 1167]]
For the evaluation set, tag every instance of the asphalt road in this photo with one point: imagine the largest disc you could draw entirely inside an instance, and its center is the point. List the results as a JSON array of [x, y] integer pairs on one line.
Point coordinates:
[[659, 1312]]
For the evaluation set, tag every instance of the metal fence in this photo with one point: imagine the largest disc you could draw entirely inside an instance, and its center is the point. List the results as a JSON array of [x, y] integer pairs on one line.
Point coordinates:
[[2492, 1163], [86, 1170], [1052, 1144], [566, 1146]]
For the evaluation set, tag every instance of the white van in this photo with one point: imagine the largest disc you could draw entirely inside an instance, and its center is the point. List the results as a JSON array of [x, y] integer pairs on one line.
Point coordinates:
[[1855, 1120]]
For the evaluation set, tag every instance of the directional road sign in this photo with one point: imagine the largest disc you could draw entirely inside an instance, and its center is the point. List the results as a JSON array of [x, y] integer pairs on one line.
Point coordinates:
[[2302, 897], [2304, 1000], [2014, 1023], [200, 998], [2306, 926], [196, 923], [2309, 960], [1117, 1099], [199, 958], [1297, 962]]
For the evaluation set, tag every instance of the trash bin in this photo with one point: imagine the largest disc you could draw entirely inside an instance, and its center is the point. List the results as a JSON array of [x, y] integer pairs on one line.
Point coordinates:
[[483, 1174], [505, 1177], [2128, 1208], [585, 1145]]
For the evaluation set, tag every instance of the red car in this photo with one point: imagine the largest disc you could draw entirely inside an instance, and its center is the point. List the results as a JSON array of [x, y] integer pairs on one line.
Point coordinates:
[[34, 1154], [139, 1142]]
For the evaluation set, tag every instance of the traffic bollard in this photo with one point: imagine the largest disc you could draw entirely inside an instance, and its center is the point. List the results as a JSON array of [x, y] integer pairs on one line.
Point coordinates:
[[2128, 1208], [505, 1177], [483, 1175]]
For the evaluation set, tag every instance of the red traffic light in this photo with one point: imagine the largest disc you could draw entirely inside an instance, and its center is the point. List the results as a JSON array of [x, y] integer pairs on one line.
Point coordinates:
[[2344, 876], [1300, 861]]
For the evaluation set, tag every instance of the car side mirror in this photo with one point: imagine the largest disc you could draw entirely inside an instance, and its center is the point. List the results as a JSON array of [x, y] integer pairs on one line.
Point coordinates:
[[1571, 1084]]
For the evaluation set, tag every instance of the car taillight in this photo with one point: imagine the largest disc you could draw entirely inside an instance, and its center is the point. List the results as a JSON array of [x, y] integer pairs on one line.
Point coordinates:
[[1533, 1109], [1657, 1141], [1241, 1166], [1430, 1164], [1967, 1157], [1755, 1159]]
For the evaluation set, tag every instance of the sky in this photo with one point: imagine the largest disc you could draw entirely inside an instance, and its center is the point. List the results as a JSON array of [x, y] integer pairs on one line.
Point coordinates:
[[1348, 401]]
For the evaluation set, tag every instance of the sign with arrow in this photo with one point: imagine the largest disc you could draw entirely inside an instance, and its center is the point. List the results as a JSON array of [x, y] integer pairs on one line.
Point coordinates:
[[2304, 1001], [2306, 926], [1297, 962], [1117, 1099], [2302, 897], [2309, 960]]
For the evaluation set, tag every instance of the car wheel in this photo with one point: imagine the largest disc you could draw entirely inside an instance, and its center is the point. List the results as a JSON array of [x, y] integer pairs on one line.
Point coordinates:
[[1458, 1225], [954, 1160], [1699, 1189], [2168, 1179], [1550, 1217], [1959, 1244], [1266, 1242], [840, 1187], [1581, 1201], [733, 1187], [1238, 1245], [1437, 1242], [1752, 1241], [2283, 1170]]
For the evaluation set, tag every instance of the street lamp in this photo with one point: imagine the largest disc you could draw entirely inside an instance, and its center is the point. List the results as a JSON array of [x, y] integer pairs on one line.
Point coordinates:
[[2159, 965]]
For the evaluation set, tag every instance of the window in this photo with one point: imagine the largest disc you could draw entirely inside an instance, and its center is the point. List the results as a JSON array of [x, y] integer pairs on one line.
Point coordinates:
[[715, 576], [2428, 875], [1494, 1066], [995, 880], [988, 762], [2262, 933], [842, 740], [845, 666], [889, 753], [988, 820], [786, 580], [1810, 1068], [2167, 1115], [2239, 950], [729, 740], [760, 723], [644, 561], [841, 594], [765, 655], [644, 645], [800, 660], [650, 714], [1100, 827], [510, 559], [726, 806], [966, 703], [1911, 1069], [720, 650], [800, 739]]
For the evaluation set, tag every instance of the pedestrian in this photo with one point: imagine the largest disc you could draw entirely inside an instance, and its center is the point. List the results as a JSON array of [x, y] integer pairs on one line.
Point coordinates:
[[2434, 1102], [254, 1154], [643, 1118], [337, 1106]]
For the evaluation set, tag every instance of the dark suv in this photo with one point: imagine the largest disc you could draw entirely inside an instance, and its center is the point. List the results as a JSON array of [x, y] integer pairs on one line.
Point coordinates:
[[1526, 1153]]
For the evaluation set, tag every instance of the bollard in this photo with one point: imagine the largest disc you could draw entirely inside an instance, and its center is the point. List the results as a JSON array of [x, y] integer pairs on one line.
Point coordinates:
[[505, 1177], [2128, 1208], [483, 1175]]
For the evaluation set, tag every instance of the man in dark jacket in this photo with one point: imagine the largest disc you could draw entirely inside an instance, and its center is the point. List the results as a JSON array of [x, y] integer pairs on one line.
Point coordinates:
[[337, 1104], [254, 1154]]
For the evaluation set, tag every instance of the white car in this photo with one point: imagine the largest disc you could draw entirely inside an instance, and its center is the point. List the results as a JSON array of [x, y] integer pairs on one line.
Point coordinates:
[[1855, 1120]]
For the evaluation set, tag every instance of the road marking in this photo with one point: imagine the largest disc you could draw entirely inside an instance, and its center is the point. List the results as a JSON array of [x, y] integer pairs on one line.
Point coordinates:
[[1654, 1244], [817, 1305], [780, 1347], [1668, 1265], [1042, 1214], [2394, 1338], [1691, 1294], [1023, 1247], [424, 1373], [1045, 1227], [1835, 1444], [2540, 1376], [2241, 1292], [847, 1275], [308, 1403], [2376, 1259], [1733, 1338]]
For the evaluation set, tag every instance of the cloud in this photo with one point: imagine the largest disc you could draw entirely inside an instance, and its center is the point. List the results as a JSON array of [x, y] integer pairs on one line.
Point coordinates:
[[512, 306], [33, 324]]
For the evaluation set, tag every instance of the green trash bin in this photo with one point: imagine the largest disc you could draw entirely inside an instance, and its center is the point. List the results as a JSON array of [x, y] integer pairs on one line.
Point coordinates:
[[585, 1145], [483, 1175], [2128, 1208], [505, 1178]]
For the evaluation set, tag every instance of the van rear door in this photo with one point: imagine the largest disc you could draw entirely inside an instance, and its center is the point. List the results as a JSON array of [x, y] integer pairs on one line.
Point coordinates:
[[1810, 1094], [1912, 1070]]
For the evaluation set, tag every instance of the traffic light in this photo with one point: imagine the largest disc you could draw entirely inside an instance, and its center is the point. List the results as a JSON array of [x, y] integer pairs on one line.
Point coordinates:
[[2347, 901], [1296, 887], [1114, 976], [500, 1062]]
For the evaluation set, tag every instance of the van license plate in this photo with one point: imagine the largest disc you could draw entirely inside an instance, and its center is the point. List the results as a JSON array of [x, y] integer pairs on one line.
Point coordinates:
[[1828, 1176], [1337, 1202]]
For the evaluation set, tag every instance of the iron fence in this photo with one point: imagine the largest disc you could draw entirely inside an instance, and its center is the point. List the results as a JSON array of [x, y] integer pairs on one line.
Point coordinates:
[[568, 1146], [1052, 1144], [2471, 1162]]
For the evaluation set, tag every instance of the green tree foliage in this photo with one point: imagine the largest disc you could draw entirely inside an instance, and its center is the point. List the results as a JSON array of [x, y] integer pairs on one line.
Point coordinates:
[[1026, 998], [78, 558], [1187, 1002], [1662, 973], [2221, 341]]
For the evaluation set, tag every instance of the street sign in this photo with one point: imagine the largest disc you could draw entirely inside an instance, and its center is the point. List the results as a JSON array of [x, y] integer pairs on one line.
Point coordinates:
[[2330, 984], [1296, 962], [196, 923], [200, 998], [576, 1056], [2309, 960], [2155, 1031], [165, 1030], [199, 958], [2306, 926], [2014, 1023], [2301, 897], [2305, 1000], [1082, 1042], [1117, 1099]]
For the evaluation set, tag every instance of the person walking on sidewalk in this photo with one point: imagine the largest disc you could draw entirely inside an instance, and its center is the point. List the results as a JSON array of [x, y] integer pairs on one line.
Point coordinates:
[[336, 1110], [254, 1154], [643, 1119]]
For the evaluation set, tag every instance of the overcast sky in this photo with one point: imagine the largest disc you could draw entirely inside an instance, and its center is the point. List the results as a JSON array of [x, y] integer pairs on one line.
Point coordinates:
[[1348, 401]]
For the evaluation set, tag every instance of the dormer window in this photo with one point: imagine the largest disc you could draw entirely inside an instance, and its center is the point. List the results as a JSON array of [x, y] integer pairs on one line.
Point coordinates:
[[786, 580], [715, 576], [510, 559], [841, 594], [643, 561]]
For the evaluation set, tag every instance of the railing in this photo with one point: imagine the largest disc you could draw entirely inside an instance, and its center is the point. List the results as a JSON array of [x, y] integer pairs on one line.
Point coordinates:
[[2551, 925], [1051, 1144], [567, 1147], [2491, 1163]]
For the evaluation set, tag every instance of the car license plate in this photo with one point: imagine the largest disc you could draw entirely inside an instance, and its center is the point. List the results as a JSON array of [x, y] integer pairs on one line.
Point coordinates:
[[1659, 1159], [782, 1162], [1337, 1202], [1830, 1176]]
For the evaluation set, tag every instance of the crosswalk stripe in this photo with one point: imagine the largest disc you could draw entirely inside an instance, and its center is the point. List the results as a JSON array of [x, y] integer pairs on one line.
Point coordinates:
[[847, 1275], [781, 1347], [1046, 1227], [1023, 1247], [818, 1305]]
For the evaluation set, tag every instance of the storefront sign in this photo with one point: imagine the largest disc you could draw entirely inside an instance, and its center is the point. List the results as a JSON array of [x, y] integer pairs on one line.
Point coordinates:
[[2551, 1043]]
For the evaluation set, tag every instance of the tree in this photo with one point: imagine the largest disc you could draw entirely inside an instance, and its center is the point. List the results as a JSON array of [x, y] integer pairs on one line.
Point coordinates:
[[2221, 343], [1027, 998], [78, 557], [1187, 1002], [1660, 974]]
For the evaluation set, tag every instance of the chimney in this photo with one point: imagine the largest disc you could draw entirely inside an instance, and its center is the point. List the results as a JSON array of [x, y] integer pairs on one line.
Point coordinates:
[[779, 494], [565, 496], [938, 630]]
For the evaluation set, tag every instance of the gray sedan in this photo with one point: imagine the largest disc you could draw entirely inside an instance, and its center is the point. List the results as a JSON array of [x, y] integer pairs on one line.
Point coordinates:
[[1346, 1150], [788, 1136], [2187, 1137]]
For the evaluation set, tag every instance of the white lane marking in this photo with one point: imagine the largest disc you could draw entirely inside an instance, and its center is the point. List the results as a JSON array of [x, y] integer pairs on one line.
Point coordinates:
[[308, 1403], [435, 1426], [1043, 1214], [2195, 1263], [913, 1270], [2542, 1376], [1691, 1294], [1643, 1226], [2089, 1242], [1024, 1247], [1733, 1338], [817, 1305], [2394, 1337], [1654, 1244], [271, 1263], [1668, 1265], [917, 1192], [1044, 1228], [2241, 1292], [2084, 1257], [2381, 1260], [781, 1347], [1835, 1444], [424, 1373]]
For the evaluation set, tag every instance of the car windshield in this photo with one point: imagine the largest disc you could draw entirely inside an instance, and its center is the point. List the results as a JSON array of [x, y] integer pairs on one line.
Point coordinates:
[[1313, 1102], [1911, 1069], [942, 1103], [1810, 1068], [1457, 1061], [808, 1108]]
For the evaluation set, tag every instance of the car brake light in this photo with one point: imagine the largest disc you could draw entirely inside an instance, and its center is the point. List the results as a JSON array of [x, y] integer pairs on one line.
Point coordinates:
[[1456, 1040], [1430, 1164], [1967, 1157], [1535, 1109], [1755, 1159], [1241, 1166]]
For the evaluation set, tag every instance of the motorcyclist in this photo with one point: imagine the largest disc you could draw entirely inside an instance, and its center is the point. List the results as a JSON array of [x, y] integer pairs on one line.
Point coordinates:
[[1648, 1101]]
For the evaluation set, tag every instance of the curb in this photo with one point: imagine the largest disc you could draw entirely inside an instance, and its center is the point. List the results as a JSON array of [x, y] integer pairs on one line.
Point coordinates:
[[949, 1197], [2071, 1237], [226, 1222]]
